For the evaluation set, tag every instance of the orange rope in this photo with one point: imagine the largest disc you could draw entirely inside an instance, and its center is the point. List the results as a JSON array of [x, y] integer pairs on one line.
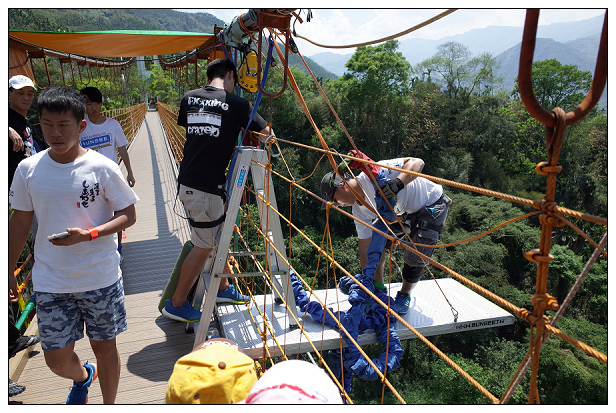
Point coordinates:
[[551, 216]]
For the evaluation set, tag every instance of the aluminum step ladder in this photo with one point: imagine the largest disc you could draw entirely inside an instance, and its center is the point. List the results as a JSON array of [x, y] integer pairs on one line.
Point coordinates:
[[270, 225]]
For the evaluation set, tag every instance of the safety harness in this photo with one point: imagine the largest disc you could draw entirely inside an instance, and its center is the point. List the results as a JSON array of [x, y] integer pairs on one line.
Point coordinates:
[[207, 224]]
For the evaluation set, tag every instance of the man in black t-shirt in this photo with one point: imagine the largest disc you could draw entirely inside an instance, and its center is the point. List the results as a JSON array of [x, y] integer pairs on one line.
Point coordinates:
[[23, 139], [213, 118]]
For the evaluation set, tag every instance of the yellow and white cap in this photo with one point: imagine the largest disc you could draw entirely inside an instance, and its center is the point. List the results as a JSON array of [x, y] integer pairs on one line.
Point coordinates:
[[216, 372]]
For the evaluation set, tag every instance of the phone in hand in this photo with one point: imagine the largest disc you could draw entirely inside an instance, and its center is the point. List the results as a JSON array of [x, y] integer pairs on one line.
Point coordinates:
[[60, 235]]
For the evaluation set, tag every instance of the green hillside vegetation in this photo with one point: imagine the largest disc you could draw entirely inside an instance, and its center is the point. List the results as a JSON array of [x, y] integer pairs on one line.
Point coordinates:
[[82, 20], [447, 111]]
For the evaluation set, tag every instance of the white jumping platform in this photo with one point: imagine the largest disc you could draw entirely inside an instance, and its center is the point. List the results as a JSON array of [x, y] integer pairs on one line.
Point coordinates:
[[429, 314]]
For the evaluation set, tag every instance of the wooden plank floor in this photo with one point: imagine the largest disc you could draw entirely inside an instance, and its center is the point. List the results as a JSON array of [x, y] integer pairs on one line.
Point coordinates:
[[152, 343]]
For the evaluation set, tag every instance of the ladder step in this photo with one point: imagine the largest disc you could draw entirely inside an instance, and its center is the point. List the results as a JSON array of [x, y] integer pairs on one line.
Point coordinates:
[[248, 274], [245, 253]]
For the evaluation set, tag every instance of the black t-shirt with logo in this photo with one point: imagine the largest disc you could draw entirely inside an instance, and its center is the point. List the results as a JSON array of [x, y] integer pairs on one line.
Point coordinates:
[[213, 119], [32, 141]]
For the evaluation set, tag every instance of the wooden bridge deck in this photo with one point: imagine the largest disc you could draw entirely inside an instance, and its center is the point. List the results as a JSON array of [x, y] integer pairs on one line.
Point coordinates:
[[152, 344]]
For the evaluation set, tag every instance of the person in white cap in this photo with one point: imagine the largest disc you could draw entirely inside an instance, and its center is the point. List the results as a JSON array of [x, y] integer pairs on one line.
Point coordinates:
[[24, 141], [294, 382]]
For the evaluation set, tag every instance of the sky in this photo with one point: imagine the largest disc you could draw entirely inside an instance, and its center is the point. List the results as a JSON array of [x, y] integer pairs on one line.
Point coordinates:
[[351, 26]]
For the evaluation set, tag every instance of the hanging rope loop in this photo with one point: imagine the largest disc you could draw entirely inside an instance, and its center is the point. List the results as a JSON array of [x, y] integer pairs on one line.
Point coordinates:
[[525, 81]]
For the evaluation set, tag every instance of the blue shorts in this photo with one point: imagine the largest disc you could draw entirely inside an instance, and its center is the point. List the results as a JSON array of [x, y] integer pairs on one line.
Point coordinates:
[[62, 316]]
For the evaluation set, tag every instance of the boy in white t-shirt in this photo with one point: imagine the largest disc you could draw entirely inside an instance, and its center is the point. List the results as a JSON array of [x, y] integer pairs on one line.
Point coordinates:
[[105, 136], [76, 279]]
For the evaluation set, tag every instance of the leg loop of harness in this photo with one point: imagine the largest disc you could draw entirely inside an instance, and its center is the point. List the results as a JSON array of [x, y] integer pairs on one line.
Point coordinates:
[[208, 224]]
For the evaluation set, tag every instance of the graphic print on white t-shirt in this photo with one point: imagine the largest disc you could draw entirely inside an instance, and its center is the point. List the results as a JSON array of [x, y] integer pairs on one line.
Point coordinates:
[[97, 142]]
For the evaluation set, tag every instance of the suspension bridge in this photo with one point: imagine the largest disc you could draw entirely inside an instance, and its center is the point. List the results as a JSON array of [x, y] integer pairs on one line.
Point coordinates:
[[265, 328]]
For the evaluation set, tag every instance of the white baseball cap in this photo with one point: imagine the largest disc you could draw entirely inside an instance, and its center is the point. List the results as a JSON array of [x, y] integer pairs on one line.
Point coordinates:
[[19, 81], [294, 382]]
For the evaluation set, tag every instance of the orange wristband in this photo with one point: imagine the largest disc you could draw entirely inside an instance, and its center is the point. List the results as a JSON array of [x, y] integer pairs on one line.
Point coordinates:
[[93, 233]]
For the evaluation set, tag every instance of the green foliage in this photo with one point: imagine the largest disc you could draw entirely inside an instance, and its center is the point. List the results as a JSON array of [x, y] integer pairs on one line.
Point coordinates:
[[373, 100], [583, 181], [81, 20], [521, 149], [564, 270], [590, 302], [496, 259], [31, 20], [380, 68], [162, 86], [567, 375], [447, 386], [459, 74], [558, 85], [500, 360]]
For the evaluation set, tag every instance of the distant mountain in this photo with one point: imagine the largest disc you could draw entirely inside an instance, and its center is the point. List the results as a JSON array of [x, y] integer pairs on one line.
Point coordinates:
[[81, 20], [333, 62], [317, 70], [578, 45], [493, 39], [580, 52]]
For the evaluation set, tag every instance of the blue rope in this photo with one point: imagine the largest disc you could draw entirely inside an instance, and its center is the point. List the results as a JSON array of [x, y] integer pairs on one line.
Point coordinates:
[[254, 109]]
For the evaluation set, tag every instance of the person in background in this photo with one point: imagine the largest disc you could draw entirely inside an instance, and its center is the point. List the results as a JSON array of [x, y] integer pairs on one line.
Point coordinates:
[[24, 140], [105, 136]]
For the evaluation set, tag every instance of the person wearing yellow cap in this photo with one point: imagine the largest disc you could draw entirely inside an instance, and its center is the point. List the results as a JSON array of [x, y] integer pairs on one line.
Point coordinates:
[[215, 372]]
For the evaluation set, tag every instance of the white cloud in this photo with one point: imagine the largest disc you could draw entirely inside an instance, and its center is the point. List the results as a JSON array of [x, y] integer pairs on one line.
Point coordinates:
[[352, 26]]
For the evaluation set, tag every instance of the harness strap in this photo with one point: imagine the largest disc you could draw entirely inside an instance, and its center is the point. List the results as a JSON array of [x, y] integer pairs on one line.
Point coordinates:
[[428, 225], [208, 224]]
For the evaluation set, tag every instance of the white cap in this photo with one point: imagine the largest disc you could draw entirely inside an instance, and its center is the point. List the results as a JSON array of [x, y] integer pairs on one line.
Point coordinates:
[[294, 382], [19, 81]]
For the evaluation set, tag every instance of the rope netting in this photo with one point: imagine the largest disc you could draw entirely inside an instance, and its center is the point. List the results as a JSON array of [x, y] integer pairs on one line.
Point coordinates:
[[550, 215]]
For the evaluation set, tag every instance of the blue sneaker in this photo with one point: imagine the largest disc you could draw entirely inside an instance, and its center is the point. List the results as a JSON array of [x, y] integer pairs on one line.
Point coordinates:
[[79, 392], [186, 313], [403, 301], [231, 295]]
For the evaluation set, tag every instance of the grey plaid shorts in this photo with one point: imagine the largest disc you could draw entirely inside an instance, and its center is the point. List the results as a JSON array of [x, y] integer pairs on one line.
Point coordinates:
[[62, 316]]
